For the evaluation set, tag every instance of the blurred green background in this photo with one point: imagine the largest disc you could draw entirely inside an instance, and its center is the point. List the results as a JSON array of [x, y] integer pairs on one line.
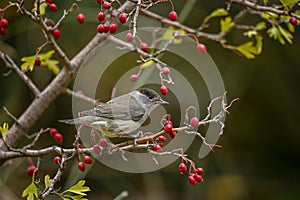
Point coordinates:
[[260, 156]]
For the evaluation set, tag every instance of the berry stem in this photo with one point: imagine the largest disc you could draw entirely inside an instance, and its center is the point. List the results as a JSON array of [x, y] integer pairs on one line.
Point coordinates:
[[172, 4]]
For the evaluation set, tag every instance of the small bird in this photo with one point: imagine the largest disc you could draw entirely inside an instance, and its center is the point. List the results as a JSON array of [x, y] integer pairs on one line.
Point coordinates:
[[122, 115]]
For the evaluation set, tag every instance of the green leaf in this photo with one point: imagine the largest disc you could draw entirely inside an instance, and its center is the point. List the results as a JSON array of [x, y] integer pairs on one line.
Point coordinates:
[[277, 32], [250, 33], [226, 24], [78, 197], [28, 62], [260, 26], [47, 181], [249, 49], [79, 188], [288, 3], [4, 130], [52, 66], [168, 35], [266, 2], [30, 192], [219, 12]]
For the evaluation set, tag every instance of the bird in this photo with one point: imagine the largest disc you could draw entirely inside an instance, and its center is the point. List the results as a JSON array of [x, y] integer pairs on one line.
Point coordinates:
[[122, 115]]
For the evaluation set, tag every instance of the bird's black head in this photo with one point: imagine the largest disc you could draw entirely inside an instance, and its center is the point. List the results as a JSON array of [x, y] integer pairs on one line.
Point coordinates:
[[152, 95]]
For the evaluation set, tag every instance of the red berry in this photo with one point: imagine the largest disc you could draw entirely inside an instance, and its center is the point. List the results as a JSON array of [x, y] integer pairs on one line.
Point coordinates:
[[31, 170], [194, 122], [134, 77], [48, 1], [113, 28], [144, 47], [157, 148], [37, 62], [103, 143], [191, 179], [81, 166], [182, 168], [87, 159], [162, 138], [80, 18], [56, 33], [201, 48], [172, 134], [79, 145], [96, 149], [3, 23], [198, 178], [106, 28], [53, 131], [100, 28], [173, 16], [122, 18], [53, 7], [293, 21], [106, 5], [101, 16], [129, 37], [165, 70], [2, 31], [100, 1], [58, 137], [57, 160], [163, 90], [168, 127], [199, 170]]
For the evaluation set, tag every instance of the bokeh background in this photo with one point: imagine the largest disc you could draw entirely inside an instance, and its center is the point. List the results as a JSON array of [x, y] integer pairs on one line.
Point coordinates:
[[260, 156]]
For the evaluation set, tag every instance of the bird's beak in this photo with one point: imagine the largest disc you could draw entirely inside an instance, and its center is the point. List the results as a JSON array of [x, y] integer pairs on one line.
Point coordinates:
[[163, 102]]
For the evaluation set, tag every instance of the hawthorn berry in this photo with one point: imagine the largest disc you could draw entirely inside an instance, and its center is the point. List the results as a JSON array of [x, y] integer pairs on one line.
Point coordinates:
[[168, 127], [129, 37], [201, 48], [2, 31], [157, 148], [113, 28], [182, 168], [53, 131], [163, 90], [101, 16], [56, 159], [173, 16], [81, 166], [192, 179], [100, 28], [172, 134], [100, 1], [106, 5], [56, 33], [106, 28], [199, 170], [80, 18], [198, 178], [194, 122], [3, 23], [165, 70], [48, 1], [53, 7], [87, 159], [96, 149], [79, 145], [293, 21], [122, 18], [134, 77], [58, 137], [144, 47], [31, 170], [162, 138], [103, 143], [37, 62]]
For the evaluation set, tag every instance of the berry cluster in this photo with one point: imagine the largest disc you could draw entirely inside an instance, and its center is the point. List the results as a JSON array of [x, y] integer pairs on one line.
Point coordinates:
[[87, 160], [57, 136], [106, 19], [194, 176], [3, 26]]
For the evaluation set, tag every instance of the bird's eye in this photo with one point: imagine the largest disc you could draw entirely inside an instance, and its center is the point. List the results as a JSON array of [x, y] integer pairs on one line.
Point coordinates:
[[150, 97]]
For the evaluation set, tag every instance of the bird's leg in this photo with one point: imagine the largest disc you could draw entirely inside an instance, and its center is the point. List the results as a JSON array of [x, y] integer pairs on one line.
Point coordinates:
[[137, 136]]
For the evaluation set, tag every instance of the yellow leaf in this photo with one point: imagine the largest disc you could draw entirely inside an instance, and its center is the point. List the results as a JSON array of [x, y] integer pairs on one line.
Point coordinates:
[[79, 188], [48, 181], [219, 12], [147, 64], [4, 130], [30, 192], [226, 24], [28, 62]]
